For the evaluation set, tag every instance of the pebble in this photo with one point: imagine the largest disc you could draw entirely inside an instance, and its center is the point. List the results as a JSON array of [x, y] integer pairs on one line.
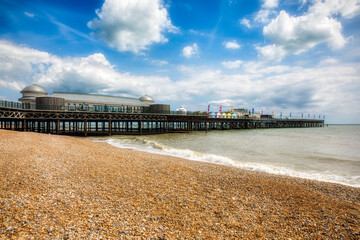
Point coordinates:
[[60, 187]]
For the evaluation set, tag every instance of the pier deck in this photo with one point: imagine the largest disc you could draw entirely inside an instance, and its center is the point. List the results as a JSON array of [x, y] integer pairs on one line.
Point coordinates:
[[109, 123]]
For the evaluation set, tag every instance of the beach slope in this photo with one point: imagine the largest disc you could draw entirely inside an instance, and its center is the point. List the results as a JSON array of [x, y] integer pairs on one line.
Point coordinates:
[[66, 187]]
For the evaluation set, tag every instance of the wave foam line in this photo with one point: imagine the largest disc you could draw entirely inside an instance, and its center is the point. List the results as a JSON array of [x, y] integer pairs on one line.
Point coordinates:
[[154, 147]]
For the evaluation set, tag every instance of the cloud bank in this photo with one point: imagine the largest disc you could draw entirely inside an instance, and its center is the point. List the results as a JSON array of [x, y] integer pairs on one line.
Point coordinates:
[[329, 87]]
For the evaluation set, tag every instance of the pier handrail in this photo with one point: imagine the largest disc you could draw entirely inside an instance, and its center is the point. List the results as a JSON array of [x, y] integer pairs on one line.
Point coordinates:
[[32, 106]]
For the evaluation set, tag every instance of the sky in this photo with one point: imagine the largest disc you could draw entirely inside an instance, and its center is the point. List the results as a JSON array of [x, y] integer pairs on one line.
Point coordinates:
[[293, 56]]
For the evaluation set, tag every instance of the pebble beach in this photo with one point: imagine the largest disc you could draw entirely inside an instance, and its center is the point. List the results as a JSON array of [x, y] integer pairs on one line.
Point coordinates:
[[61, 187]]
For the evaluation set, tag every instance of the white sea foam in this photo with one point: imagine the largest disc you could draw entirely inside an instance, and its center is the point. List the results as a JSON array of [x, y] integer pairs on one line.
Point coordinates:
[[150, 146]]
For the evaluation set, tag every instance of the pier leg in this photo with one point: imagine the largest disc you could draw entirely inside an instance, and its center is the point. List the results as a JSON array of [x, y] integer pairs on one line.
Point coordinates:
[[58, 127]]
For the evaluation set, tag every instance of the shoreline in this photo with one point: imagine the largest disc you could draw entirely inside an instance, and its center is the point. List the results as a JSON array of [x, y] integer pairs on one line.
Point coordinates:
[[59, 186], [233, 163]]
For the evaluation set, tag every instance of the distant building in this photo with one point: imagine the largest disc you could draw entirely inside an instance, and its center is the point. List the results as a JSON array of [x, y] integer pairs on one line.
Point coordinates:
[[88, 101], [181, 110]]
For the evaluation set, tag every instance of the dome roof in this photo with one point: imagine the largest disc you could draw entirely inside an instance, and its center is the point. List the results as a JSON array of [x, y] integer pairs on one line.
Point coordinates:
[[34, 88], [181, 109], [146, 98]]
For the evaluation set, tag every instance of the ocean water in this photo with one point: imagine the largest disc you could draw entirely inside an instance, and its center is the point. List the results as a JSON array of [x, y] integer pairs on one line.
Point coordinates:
[[330, 154]]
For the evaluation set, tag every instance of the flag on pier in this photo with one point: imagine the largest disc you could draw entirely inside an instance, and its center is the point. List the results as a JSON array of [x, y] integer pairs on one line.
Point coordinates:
[[290, 114], [272, 114], [302, 115], [209, 108], [252, 111], [220, 109], [231, 110], [261, 112]]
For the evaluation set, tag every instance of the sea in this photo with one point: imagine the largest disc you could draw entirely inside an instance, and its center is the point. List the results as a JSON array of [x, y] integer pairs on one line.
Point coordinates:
[[330, 153]]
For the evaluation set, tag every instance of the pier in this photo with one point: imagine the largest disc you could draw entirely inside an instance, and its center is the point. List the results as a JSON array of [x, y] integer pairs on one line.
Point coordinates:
[[83, 123]]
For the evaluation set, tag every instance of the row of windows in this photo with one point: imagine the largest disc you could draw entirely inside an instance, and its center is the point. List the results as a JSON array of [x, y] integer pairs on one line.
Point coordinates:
[[102, 108]]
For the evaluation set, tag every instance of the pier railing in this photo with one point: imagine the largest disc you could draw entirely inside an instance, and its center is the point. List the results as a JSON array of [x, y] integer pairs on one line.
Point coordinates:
[[104, 109]]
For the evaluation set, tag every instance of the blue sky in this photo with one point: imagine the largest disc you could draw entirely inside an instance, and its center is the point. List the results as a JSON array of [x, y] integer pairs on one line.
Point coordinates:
[[298, 56]]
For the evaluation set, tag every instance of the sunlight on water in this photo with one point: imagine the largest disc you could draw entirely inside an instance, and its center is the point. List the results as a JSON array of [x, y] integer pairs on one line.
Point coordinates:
[[329, 154]]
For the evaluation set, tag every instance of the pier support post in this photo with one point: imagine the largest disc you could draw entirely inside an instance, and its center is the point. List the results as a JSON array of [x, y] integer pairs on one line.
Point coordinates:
[[85, 127], [24, 125], [48, 126], [58, 127], [109, 127]]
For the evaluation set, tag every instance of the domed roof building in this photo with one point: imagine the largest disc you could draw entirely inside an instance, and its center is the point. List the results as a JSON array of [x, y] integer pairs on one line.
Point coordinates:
[[181, 110], [34, 94], [147, 99], [31, 92]]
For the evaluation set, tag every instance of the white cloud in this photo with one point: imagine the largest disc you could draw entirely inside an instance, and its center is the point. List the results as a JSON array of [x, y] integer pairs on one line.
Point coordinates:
[[190, 51], [294, 35], [263, 15], [132, 25], [329, 61], [31, 15], [346, 8], [92, 74], [245, 22], [270, 3], [271, 52], [232, 45], [232, 64]]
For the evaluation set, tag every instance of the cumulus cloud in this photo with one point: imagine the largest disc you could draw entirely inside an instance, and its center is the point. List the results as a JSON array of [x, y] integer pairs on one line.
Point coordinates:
[[232, 45], [92, 74], [294, 35], [232, 64], [190, 51], [132, 25], [346, 8]]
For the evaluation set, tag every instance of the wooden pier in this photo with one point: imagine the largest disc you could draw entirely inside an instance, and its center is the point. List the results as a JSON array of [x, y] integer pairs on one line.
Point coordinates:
[[109, 123]]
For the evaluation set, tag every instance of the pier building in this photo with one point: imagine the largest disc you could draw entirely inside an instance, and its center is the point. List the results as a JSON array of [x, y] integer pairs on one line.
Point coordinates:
[[85, 102]]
